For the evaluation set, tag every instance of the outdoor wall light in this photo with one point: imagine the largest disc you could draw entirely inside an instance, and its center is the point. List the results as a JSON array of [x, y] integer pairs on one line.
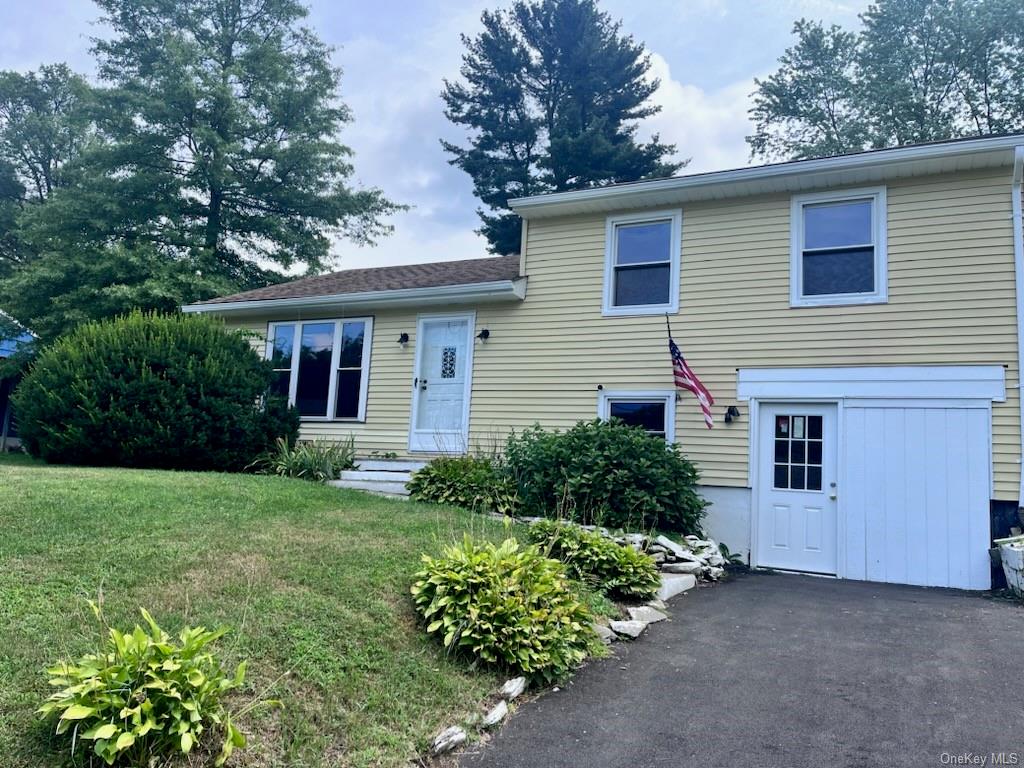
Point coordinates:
[[484, 335], [731, 413], [403, 339]]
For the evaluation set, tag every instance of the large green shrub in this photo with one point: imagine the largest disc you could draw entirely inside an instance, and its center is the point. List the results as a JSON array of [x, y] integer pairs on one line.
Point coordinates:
[[506, 605], [616, 570], [144, 697], [607, 473], [146, 390], [465, 481]]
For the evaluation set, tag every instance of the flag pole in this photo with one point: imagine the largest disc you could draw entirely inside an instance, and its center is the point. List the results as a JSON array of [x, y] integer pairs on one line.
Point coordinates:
[[668, 325]]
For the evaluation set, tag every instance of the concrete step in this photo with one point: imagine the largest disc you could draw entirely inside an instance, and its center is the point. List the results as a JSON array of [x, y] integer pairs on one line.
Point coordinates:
[[389, 477], [673, 584], [384, 487], [389, 465]]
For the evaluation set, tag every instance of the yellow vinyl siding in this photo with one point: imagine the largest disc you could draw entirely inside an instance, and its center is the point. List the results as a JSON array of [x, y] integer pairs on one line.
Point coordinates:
[[951, 301]]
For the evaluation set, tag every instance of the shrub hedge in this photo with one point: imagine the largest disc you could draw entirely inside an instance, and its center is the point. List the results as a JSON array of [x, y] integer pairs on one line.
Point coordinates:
[[148, 390], [606, 473]]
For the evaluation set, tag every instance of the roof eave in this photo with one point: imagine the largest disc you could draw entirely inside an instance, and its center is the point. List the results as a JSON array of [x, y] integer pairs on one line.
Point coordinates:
[[762, 179], [475, 293]]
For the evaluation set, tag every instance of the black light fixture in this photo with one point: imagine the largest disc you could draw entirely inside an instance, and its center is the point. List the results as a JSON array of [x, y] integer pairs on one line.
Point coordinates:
[[484, 335], [731, 413], [403, 339]]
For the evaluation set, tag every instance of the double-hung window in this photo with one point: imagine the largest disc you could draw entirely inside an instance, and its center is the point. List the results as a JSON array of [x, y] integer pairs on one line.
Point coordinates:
[[322, 366], [642, 263], [653, 411], [838, 248]]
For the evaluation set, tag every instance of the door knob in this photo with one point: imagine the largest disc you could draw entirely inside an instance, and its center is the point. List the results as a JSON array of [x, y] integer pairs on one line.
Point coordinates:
[[832, 497], [423, 385]]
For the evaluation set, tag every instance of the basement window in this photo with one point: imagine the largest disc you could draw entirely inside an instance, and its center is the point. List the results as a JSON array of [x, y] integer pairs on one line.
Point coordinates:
[[322, 366], [654, 411], [838, 253]]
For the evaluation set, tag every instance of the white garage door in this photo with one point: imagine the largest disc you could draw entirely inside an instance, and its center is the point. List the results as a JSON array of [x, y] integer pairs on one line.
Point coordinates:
[[914, 494]]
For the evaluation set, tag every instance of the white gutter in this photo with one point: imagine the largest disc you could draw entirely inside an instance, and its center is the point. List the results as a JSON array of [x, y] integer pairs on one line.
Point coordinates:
[[491, 291], [863, 160], [1018, 265]]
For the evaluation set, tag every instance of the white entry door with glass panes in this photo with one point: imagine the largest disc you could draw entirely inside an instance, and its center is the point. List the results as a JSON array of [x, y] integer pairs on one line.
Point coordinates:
[[322, 366], [441, 384], [797, 520]]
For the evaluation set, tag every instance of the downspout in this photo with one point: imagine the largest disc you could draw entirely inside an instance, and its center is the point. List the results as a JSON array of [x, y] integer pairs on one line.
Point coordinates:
[[523, 237], [1018, 265]]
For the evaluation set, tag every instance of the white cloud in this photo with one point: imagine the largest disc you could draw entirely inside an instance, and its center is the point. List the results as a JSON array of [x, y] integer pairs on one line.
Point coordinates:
[[707, 126], [394, 93]]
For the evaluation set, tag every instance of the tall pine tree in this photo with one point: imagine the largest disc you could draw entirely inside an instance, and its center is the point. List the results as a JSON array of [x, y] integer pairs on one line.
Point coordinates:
[[552, 93]]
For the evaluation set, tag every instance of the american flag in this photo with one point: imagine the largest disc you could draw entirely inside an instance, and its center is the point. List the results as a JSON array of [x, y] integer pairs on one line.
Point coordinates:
[[686, 379]]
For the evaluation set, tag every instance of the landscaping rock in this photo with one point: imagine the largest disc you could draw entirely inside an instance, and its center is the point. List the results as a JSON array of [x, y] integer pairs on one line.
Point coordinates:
[[513, 688], [696, 557], [673, 584], [645, 614], [683, 566], [496, 715], [676, 549], [447, 740], [635, 539], [630, 629], [657, 604], [606, 635]]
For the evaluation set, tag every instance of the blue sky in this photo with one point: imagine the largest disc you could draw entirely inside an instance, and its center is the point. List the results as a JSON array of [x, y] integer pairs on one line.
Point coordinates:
[[394, 54]]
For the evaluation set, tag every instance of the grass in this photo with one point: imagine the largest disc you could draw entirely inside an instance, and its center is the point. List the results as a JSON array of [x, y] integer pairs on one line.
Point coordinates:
[[314, 581]]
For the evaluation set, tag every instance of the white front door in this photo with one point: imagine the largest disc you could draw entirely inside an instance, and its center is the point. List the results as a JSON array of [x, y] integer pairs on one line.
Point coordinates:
[[440, 402], [797, 457]]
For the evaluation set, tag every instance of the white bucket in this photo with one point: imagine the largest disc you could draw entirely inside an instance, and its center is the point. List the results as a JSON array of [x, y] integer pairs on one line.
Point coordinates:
[[1011, 552]]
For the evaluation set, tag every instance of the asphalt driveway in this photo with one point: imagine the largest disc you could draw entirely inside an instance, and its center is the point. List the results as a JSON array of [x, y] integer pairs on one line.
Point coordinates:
[[789, 671]]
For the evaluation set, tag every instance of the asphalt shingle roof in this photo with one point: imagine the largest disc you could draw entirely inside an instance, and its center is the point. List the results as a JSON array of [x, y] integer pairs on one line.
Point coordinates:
[[433, 275]]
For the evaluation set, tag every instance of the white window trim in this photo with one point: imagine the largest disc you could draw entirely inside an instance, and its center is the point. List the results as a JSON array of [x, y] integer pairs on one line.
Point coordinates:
[[879, 215], [332, 390], [605, 397], [608, 309]]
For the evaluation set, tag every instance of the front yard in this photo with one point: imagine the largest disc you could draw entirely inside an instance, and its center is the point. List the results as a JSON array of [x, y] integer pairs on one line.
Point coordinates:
[[313, 580]]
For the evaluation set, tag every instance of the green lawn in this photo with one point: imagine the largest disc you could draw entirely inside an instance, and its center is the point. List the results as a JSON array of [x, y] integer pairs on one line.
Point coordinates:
[[313, 580]]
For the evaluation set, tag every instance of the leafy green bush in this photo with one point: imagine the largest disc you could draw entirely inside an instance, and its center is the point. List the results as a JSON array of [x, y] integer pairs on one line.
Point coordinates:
[[144, 697], [465, 481], [617, 570], [316, 460], [506, 605], [610, 473], [146, 390]]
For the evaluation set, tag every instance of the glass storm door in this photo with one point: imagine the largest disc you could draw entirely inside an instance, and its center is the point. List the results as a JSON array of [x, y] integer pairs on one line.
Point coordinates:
[[440, 417], [796, 506]]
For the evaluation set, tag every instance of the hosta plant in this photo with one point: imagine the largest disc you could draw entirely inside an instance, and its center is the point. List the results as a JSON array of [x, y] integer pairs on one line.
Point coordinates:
[[145, 696], [474, 483], [505, 605], [617, 570]]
